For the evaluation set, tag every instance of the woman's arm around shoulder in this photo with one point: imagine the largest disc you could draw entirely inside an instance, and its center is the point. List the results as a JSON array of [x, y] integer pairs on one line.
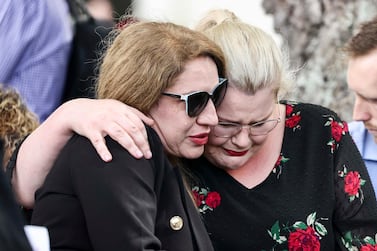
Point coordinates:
[[93, 119]]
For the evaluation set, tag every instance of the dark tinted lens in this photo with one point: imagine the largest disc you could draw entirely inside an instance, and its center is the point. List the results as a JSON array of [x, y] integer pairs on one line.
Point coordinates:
[[196, 103], [219, 93]]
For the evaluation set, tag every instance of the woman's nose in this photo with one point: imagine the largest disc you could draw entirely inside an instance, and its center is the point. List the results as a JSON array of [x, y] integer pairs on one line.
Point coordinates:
[[242, 138], [208, 116], [361, 110]]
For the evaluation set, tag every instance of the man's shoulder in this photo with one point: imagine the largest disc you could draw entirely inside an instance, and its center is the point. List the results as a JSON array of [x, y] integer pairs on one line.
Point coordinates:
[[356, 129], [360, 136], [4, 8]]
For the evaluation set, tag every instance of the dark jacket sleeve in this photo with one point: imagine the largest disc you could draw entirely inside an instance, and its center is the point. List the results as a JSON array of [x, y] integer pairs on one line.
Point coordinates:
[[117, 199]]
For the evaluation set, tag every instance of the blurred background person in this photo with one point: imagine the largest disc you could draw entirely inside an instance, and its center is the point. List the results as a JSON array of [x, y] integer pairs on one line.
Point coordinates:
[[16, 120], [36, 40], [101, 9], [12, 235]]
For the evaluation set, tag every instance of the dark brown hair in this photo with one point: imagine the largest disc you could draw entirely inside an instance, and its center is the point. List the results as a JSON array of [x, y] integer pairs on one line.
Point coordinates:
[[364, 41]]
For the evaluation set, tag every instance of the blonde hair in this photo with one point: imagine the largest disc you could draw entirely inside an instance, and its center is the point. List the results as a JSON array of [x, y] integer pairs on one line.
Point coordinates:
[[254, 61], [145, 58], [16, 120]]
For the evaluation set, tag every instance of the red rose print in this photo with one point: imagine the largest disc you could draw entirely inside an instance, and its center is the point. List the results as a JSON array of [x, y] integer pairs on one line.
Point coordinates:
[[197, 198], [336, 130], [292, 121], [213, 199], [352, 183], [369, 247], [289, 110], [345, 126], [126, 22], [303, 240], [205, 200], [279, 161]]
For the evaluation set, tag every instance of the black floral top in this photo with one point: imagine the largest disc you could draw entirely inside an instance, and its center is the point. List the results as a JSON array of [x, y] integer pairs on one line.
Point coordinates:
[[317, 197]]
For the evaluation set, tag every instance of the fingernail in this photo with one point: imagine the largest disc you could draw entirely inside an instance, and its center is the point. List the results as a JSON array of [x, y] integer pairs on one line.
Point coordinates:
[[107, 157], [138, 154], [148, 155]]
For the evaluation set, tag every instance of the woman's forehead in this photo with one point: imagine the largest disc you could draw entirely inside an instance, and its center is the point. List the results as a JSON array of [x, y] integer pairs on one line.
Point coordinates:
[[198, 74], [240, 106]]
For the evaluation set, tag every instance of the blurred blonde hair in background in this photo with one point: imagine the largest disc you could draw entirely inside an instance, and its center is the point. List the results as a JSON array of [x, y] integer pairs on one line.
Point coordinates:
[[16, 120]]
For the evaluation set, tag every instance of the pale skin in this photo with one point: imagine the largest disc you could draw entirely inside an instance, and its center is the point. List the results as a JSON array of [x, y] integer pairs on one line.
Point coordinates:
[[181, 135], [107, 117], [248, 159], [362, 80]]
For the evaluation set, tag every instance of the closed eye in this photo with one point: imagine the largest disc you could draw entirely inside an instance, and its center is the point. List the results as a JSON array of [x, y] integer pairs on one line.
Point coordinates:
[[373, 101], [228, 124], [258, 124]]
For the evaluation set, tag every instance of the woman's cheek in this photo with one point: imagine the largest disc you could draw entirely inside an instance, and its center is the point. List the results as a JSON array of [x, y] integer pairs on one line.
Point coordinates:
[[216, 141]]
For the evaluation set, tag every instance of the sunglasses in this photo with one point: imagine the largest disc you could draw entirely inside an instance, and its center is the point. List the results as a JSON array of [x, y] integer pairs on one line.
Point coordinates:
[[197, 101]]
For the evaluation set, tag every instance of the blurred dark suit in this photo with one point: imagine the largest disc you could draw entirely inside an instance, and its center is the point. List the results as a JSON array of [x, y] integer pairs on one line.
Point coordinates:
[[12, 235]]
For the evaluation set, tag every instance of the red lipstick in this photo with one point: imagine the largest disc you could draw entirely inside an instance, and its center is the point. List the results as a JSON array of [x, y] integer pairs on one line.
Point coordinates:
[[234, 153], [200, 139]]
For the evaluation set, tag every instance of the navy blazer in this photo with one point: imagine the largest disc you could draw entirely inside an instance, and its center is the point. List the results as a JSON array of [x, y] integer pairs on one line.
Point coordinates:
[[126, 204]]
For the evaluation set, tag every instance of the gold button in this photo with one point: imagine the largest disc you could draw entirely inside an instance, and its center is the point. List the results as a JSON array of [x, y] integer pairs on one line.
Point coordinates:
[[176, 223]]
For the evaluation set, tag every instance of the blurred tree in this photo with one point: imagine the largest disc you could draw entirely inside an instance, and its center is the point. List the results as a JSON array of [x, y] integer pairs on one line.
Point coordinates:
[[314, 32]]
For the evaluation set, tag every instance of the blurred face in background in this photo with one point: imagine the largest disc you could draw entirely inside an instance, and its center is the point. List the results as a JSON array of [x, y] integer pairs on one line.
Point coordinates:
[[362, 80]]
